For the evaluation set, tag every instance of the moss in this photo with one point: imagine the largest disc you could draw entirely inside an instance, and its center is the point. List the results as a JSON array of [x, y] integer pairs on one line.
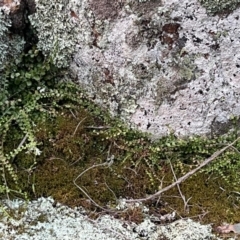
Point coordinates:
[[222, 6], [68, 155], [210, 200], [81, 136]]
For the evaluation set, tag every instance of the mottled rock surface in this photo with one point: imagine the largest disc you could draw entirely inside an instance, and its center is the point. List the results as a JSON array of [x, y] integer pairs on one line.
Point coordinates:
[[162, 66], [48, 220], [15, 35]]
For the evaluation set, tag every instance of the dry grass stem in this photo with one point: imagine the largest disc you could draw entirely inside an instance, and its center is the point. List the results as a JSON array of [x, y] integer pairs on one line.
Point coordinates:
[[187, 175]]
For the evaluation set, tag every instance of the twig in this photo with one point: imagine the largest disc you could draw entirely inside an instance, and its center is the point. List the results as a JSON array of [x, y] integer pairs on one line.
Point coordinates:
[[78, 126], [100, 127], [5, 182], [75, 161], [83, 191], [22, 142], [200, 216], [235, 149], [73, 114], [53, 158], [160, 187], [238, 193], [179, 190], [111, 190], [128, 168], [20, 145], [105, 164], [183, 178]]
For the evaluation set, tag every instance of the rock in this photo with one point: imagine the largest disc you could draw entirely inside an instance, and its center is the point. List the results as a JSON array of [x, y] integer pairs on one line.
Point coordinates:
[[162, 66], [45, 219], [15, 34]]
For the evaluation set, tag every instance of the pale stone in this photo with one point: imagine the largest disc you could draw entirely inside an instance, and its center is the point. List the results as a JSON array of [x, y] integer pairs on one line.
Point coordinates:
[[162, 66]]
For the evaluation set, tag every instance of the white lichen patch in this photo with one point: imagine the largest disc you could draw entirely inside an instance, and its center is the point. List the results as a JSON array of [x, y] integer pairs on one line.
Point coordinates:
[[173, 69], [45, 219], [56, 30], [187, 229], [213, 95], [162, 66], [10, 47]]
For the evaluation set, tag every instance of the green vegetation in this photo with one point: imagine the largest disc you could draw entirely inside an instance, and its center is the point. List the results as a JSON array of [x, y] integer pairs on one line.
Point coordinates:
[[50, 134], [220, 6], [26, 91]]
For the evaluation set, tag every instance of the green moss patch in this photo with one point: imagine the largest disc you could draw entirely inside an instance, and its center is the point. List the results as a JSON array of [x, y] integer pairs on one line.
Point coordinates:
[[220, 6], [77, 138]]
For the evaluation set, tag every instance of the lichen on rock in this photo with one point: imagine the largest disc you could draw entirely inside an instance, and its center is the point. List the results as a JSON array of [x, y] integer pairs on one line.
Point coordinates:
[[162, 66], [56, 30], [10, 46]]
